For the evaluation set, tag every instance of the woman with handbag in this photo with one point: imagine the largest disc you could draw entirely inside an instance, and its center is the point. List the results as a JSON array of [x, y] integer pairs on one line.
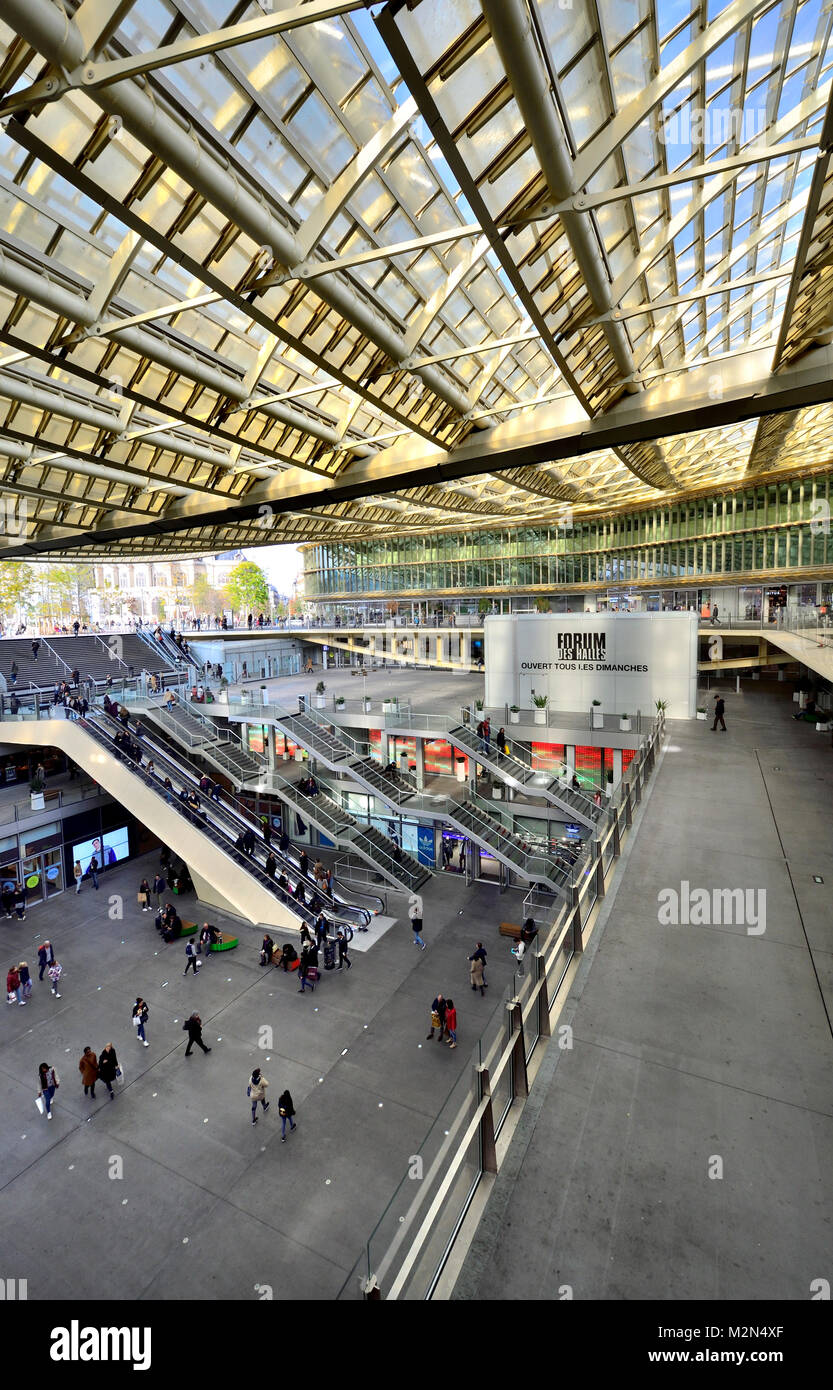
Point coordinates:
[[78, 874], [48, 1084], [108, 1066], [13, 990], [256, 1091], [143, 896], [140, 1018]]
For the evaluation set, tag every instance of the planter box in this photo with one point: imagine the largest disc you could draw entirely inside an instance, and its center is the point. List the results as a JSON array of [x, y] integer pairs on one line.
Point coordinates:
[[625, 726], [820, 729], [598, 718], [38, 803], [514, 717], [388, 707], [460, 770], [366, 706], [320, 702], [539, 716], [701, 714], [340, 708], [796, 697]]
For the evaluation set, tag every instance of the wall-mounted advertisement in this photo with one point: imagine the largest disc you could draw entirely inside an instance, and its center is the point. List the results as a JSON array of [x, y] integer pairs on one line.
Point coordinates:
[[627, 661], [108, 849]]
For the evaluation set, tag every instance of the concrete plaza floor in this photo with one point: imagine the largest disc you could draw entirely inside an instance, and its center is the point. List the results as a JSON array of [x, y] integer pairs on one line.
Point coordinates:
[[683, 1147], [210, 1206]]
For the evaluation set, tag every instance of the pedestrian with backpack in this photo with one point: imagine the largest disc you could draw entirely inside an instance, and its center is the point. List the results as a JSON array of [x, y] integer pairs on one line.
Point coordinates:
[[286, 1110], [193, 1027], [477, 967], [190, 958], [415, 914], [256, 1091]]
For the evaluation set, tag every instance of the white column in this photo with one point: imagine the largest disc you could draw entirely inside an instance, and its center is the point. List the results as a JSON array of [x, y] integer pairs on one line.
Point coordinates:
[[419, 745], [617, 767], [441, 646], [465, 648]]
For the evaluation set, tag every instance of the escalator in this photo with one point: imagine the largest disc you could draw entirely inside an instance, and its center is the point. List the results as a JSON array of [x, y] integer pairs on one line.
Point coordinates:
[[203, 737], [236, 816], [229, 819]]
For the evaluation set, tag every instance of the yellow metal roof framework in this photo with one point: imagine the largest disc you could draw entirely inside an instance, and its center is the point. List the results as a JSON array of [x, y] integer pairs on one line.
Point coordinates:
[[290, 272]]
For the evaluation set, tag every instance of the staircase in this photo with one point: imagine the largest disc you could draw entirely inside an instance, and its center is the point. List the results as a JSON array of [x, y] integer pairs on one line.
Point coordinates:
[[201, 734], [515, 768]]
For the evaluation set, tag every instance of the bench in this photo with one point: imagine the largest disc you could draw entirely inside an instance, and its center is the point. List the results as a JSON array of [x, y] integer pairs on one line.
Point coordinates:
[[510, 929], [225, 943]]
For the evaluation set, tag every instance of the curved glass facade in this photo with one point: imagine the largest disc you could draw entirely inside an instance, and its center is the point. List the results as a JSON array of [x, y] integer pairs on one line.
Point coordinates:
[[778, 529]]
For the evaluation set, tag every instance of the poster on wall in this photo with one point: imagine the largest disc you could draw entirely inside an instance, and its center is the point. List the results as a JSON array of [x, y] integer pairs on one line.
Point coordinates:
[[625, 661]]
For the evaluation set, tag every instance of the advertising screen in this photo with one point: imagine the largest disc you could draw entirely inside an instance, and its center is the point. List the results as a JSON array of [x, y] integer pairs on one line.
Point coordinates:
[[108, 849]]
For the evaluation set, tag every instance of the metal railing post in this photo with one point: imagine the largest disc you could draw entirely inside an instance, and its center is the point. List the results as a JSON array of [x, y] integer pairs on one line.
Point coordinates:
[[488, 1152], [519, 1081], [544, 1030]]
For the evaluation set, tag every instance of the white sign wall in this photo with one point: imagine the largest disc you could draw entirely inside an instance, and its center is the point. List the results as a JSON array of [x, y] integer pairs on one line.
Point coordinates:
[[626, 660]]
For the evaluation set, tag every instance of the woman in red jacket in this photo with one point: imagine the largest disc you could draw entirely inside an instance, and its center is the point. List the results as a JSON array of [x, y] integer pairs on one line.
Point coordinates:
[[13, 989], [451, 1022]]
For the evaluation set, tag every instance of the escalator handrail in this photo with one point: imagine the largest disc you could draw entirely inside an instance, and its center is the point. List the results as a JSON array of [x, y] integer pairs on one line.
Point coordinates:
[[240, 816], [302, 910]]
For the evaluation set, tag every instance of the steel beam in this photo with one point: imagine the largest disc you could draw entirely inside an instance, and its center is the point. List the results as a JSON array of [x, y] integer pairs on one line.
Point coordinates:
[[514, 37], [558, 434], [48, 31]]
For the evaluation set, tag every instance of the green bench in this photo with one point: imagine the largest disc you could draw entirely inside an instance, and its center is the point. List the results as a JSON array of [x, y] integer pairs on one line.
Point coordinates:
[[226, 943]]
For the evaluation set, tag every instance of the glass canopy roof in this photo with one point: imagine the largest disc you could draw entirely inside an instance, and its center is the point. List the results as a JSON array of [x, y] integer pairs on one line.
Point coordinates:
[[276, 271]]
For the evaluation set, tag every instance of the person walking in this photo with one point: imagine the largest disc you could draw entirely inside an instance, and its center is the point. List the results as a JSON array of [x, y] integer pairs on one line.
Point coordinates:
[[451, 1022], [55, 972], [304, 968], [415, 914], [25, 980], [719, 708], [88, 1067], [78, 874], [438, 1009], [256, 1091], [94, 872], [144, 895], [190, 958], [45, 957], [7, 899], [108, 1066], [35, 649], [286, 1110], [140, 1018], [20, 901], [193, 1027], [48, 1083], [13, 990], [342, 943], [477, 968]]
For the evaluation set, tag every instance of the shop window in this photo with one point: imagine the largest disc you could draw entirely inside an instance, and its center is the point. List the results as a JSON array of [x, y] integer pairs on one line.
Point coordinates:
[[547, 757]]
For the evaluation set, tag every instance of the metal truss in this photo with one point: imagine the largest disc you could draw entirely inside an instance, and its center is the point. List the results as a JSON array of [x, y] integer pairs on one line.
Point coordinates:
[[460, 261]]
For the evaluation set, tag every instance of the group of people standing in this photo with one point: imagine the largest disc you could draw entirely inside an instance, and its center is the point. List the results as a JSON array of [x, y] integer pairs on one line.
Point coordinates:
[[19, 978]]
